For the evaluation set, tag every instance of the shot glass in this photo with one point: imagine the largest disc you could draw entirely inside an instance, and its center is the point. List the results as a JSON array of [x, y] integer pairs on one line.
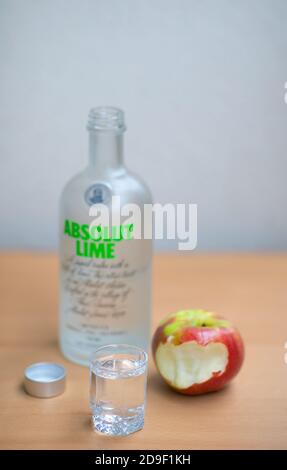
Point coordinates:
[[118, 376]]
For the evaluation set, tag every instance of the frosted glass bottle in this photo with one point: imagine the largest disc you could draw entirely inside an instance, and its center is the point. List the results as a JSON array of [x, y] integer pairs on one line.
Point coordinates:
[[105, 290]]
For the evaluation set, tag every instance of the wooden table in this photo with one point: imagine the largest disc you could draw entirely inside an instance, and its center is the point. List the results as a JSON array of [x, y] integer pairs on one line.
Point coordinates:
[[251, 290]]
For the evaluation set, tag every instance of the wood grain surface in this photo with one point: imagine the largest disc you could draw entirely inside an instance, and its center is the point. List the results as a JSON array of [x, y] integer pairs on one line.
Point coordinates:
[[251, 413]]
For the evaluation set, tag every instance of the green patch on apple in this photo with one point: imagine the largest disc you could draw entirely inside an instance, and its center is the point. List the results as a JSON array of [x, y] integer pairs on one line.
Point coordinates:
[[196, 319]]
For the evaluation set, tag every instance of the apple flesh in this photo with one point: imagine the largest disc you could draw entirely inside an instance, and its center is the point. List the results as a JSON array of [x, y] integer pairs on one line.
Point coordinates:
[[196, 351]]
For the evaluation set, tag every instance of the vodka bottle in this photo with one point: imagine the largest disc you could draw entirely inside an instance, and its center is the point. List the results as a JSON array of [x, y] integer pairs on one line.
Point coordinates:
[[105, 278]]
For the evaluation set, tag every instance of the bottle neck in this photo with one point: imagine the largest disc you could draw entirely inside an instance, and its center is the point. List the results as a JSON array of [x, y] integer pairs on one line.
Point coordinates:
[[105, 151]]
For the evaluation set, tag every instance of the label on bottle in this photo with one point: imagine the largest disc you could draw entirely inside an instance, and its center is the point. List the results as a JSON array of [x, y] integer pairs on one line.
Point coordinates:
[[105, 287], [97, 241]]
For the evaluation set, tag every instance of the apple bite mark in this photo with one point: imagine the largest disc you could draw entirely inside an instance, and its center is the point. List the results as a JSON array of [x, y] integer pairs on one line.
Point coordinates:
[[190, 363]]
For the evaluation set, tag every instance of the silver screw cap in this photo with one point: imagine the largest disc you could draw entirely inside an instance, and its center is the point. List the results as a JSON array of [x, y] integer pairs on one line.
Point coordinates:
[[45, 379]]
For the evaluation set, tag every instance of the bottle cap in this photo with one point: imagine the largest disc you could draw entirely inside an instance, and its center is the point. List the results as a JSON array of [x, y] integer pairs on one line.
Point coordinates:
[[45, 379]]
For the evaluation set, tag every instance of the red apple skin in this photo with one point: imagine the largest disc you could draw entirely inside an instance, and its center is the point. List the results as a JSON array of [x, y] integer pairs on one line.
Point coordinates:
[[230, 337]]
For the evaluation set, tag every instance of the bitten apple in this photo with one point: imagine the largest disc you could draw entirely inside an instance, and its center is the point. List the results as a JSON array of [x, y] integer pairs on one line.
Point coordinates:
[[196, 351]]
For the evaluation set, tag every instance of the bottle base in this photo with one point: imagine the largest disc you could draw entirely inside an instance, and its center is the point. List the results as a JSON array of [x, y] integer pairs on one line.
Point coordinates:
[[74, 357]]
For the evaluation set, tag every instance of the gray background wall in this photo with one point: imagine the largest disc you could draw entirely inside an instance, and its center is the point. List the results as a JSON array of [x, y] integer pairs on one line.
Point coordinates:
[[202, 84]]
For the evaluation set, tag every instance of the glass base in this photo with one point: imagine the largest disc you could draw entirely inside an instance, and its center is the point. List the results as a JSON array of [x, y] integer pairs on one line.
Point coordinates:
[[113, 425]]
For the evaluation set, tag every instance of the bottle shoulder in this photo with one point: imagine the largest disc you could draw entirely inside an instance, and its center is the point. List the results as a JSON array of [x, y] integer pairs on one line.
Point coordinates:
[[129, 186], [73, 184], [137, 184], [122, 182]]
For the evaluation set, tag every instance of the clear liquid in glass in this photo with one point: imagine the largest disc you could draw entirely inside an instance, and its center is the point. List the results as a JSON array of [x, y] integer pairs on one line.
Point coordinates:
[[117, 396]]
